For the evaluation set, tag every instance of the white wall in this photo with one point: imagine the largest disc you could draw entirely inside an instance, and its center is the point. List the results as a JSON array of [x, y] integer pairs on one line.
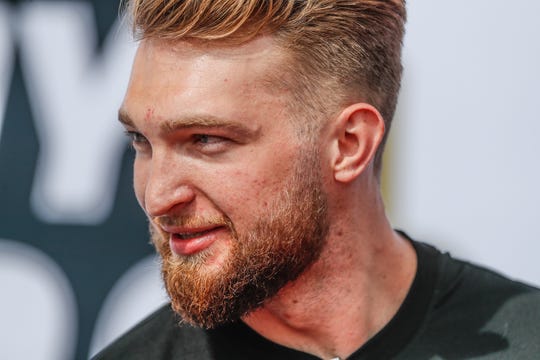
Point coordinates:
[[467, 135]]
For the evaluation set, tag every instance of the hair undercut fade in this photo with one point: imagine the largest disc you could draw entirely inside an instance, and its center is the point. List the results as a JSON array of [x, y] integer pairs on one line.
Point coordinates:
[[343, 51]]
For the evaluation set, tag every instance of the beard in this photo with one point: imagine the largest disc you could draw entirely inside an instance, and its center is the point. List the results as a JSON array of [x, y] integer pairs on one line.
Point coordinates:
[[282, 242]]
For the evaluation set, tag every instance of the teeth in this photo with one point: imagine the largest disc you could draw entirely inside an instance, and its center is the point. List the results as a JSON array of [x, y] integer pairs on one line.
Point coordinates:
[[190, 235]]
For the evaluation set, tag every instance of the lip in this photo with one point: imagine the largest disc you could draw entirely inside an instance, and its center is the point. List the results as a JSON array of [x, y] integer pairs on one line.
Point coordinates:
[[185, 242]]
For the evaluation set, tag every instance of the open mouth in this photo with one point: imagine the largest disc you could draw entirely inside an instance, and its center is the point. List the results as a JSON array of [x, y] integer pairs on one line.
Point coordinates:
[[187, 236], [190, 242]]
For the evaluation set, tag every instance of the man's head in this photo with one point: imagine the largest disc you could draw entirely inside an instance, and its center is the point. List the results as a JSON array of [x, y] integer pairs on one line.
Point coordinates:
[[225, 107]]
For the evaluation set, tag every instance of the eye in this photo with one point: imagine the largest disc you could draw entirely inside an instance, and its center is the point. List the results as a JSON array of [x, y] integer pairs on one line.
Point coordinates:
[[135, 137], [138, 141], [211, 144], [205, 139]]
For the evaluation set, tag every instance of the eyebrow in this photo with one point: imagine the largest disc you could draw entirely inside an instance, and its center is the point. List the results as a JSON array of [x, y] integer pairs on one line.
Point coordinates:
[[196, 121]]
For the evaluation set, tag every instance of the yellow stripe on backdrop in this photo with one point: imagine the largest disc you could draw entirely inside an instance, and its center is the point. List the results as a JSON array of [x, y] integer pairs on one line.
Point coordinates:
[[388, 174]]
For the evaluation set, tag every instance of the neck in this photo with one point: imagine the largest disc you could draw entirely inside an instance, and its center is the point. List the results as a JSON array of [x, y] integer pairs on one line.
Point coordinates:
[[347, 296]]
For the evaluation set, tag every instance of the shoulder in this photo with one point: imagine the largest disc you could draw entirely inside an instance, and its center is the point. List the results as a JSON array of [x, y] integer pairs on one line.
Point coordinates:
[[464, 282], [504, 304], [459, 283], [484, 312], [154, 338]]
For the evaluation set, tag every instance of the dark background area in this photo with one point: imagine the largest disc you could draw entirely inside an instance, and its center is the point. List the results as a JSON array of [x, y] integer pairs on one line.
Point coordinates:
[[92, 257]]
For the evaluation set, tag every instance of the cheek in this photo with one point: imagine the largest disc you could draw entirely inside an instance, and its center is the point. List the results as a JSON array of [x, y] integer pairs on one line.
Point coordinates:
[[243, 194], [231, 191]]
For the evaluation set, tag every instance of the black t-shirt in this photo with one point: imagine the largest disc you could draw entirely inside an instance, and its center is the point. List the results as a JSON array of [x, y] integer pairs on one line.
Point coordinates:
[[454, 310]]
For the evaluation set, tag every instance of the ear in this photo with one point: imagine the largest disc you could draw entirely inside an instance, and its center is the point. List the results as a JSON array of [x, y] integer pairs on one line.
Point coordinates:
[[359, 130]]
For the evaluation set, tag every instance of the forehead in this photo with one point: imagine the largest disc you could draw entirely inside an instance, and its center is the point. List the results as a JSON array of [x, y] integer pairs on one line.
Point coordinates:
[[203, 77]]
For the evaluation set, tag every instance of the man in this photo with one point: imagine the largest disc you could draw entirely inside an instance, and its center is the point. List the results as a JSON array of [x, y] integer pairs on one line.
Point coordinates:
[[258, 128]]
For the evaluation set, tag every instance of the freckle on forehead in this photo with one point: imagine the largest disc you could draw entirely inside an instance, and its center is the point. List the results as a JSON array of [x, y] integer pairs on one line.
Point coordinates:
[[149, 113]]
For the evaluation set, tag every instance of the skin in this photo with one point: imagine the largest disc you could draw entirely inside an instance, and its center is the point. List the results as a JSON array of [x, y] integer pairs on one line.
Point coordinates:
[[212, 138]]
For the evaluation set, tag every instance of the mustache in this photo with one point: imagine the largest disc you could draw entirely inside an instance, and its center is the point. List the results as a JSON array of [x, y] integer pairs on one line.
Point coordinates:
[[193, 221]]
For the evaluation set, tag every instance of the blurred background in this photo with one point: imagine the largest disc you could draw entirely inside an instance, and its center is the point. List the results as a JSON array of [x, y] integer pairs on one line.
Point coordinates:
[[76, 270]]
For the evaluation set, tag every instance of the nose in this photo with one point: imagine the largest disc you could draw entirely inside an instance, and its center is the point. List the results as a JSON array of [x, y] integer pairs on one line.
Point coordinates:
[[167, 187]]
